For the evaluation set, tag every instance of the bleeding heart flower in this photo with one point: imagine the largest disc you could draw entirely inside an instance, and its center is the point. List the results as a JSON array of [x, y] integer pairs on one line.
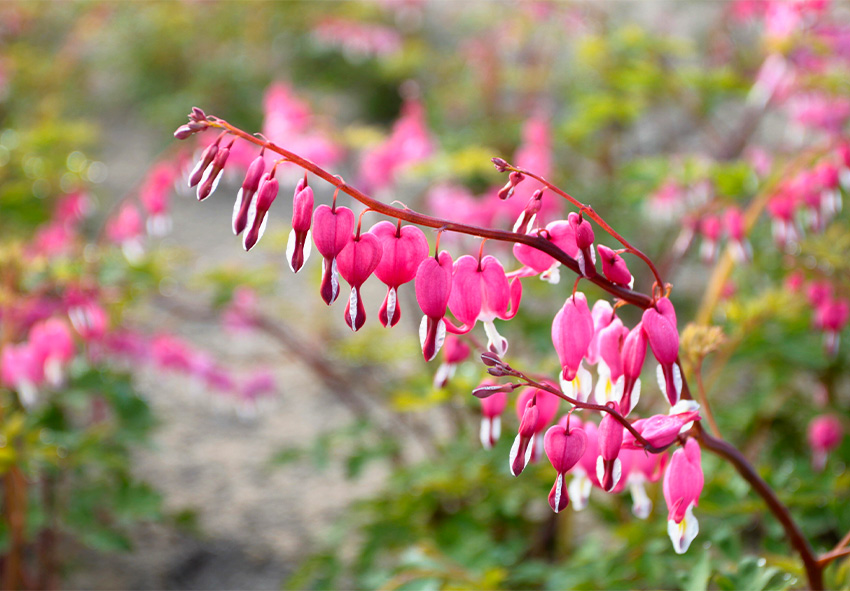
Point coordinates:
[[546, 407], [614, 267], [258, 210], [433, 288], [608, 466], [480, 291], [659, 324], [404, 248], [572, 330], [586, 256], [246, 194], [562, 235], [564, 448], [356, 262], [332, 231], [683, 484], [298, 245]]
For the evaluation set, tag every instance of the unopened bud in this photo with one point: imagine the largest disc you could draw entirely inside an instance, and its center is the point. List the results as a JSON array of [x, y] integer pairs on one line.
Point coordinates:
[[507, 191], [491, 359], [485, 391], [197, 114], [498, 371], [183, 132], [201, 167], [500, 164]]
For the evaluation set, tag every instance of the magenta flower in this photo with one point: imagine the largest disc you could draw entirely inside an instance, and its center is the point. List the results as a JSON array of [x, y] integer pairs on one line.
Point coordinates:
[[740, 246], [298, 245], [562, 235], [586, 256], [659, 323], [212, 173], [572, 330], [332, 231], [824, 435], [710, 227], [831, 316], [404, 248], [53, 346], [614, 267], [609, 469], [89, 320], [356, 262], [258, 210], [155, 194], [204, 163], [245, 196], [541, 406], [584, 473], [564, 448], [21, 371], [126, 230], [661, 430], [683, 483], [491, 421], [480, 291], [433, 288], [634, 353], [609, 387]]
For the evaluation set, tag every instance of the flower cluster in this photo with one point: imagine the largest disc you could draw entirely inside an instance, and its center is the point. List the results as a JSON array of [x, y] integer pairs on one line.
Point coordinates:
[[613, 454]]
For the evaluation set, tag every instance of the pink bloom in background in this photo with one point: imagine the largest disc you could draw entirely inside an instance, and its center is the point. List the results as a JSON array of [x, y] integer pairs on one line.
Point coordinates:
[[735, 230], [126, 230], [831, 316], [710, 228], [454, 352], [155, 195], [824, 435], [458, 203], [89, 319], [409, 143], [169, 352], [259, 385], [667, 203], [491, 421], [240, 314], [534, 153], [357, 41], [22, 371], [825, 112], [53, 346], [52, 239], [289, 119], [72, 208], [683, 484]]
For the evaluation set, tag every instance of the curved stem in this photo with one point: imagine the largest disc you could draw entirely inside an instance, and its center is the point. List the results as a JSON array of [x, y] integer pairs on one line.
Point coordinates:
[[719, 447], [591, 213], [635, 298]]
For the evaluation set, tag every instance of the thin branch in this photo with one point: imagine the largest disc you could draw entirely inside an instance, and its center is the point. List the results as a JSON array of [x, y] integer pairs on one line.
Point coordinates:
[[635, 298], [825, 559], [703, 400]]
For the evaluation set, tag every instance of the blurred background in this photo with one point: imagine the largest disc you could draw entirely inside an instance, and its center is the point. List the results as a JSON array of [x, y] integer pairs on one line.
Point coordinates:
[[178, 413]]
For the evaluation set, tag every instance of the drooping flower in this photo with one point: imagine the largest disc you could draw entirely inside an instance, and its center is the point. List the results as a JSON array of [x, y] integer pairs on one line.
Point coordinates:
[[683, 482], [404, 248], [53, 346], [212, 174], [356, 262], [21, 371], [831, 316], [433, 289], [824, 434], [634, 353], [562, 235], [155, 194], [609, 468], [564, 448], [659, 323], [614, 267], [245, 196], [332, 231], [609, 387], [481, 291], [491, 420], [662, 430], [259, 208], [536, 408], [298, 245], [572, 330], [584, 473], [586, 256], [126, 230], [741, 249], [710, 227]]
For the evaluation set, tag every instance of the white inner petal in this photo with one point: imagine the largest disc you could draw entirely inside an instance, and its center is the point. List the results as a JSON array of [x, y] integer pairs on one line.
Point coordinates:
[[495, 342], [641, 503], [559, 484], [579, 490], [290, 249], [392, 298], [484, 432], [352, 307], [514, 451], [334, 280], [236, 208]]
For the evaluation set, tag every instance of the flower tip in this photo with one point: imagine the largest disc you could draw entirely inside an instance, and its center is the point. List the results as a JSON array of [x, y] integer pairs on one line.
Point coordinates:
[[500, 164]]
